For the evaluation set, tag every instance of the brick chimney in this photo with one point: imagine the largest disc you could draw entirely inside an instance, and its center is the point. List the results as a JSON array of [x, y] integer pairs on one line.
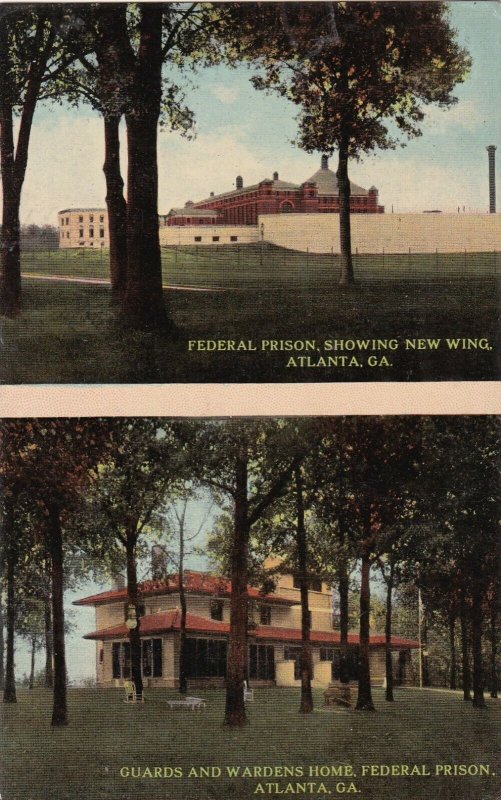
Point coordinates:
[[118, 581], [492, 178], [239, 182], [324, 163], [275, 176], [158, 563]]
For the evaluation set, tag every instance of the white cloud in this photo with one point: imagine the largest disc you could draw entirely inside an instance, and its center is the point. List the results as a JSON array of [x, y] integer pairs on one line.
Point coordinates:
[[465, 114], [225, 94], [64, 167], [414, 183]]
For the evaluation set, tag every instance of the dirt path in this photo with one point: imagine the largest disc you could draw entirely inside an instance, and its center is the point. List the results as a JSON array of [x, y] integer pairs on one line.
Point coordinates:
[[105, 282]]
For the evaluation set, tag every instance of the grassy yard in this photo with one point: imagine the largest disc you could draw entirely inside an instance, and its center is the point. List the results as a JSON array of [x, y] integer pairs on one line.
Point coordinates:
[[67, 333], [84, 760]]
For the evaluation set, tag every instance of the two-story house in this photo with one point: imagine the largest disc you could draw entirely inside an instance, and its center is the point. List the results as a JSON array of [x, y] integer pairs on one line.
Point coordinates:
[[274, 634]]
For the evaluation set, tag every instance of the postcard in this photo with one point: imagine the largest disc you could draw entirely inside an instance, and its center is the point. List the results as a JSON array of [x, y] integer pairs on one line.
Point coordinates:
[[246, 193], [250, 607]]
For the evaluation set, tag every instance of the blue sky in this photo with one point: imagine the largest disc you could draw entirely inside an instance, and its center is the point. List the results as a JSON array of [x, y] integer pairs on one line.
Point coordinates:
[[241, 131]]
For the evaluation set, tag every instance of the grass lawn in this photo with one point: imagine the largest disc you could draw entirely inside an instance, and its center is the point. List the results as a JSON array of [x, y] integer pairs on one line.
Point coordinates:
[[83, 760], [67, 333]]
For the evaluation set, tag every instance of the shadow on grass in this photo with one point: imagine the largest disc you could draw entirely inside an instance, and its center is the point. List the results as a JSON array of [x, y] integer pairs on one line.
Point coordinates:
[[68, 334], [104, 735]]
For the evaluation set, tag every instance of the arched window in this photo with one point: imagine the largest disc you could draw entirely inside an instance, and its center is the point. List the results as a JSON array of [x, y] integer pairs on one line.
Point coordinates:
[[286, 208]]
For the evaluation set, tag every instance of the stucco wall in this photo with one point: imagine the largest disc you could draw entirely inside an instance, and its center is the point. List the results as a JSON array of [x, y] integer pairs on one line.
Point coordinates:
[[393, 233], [71, 222], [205, 234]]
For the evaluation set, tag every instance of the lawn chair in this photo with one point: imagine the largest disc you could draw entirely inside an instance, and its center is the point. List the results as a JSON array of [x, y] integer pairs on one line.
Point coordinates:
[[131, 696], [248, 693]]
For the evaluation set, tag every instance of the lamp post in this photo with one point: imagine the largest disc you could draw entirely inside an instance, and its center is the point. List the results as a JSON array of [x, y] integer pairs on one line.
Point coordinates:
[[131, 621]]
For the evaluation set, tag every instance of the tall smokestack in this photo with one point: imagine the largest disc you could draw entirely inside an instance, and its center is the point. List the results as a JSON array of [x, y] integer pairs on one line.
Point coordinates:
[[492, 178], [239, 182]]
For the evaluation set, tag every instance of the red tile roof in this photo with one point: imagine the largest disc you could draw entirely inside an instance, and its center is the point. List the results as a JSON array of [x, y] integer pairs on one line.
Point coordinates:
[[170, 621], [195, 583]]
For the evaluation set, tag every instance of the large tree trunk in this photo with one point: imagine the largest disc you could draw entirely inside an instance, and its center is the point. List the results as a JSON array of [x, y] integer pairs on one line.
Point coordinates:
[[364, 699], [10, 264], [452, 647], [32, 664], [2, 652], [183, 682], [343, 586], [10, 256], [133, 600], [14, 160], [476, 646], [306, 705], [465, 658], [59, 710], [387, 633], [49, 673], [117, 208], [144, 306], [494, 674], [237, 646], [9, 693], [347, 274], [424, 658]]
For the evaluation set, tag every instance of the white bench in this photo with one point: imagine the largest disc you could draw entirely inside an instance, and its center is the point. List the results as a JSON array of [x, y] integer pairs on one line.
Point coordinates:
[[193, 703]]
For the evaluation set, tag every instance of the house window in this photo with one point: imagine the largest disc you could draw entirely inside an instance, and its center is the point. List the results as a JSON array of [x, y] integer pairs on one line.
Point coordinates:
[[81, 244], [91, 218], [233, 238], [198, 238], [80, 232], [67, 234], [314, 584], [262, 662], [215, 238], [91, 233], [101, 233], [294, 654], [101, 655], [265, 615], [80, 219], [101, 218], [205, 658], [216, 610], [151, 658], [67, 220]]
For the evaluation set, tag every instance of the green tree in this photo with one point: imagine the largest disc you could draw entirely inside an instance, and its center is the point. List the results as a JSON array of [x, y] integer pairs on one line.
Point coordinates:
[[250, 463], [50, 460], [180, 534], [32, 61], [361, 73], [98, 77], [145, 463]]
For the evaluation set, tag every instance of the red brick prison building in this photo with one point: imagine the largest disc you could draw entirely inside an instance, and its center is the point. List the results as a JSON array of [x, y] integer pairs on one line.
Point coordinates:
[[243, 205]]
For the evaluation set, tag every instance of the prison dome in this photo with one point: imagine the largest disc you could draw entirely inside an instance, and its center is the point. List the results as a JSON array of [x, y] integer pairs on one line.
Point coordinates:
[[244, 204]]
